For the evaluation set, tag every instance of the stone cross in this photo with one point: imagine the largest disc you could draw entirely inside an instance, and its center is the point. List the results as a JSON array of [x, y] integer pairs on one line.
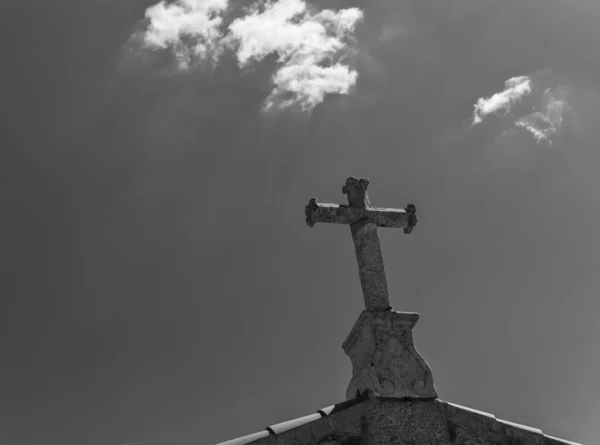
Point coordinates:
[[364, 220]]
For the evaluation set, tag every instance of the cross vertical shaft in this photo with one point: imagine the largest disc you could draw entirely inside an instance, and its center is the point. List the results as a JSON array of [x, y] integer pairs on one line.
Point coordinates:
[[368, 250]]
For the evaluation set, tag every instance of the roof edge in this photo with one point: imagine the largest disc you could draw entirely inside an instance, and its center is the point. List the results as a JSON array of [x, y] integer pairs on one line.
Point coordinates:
[[489, 426], [331, 416], [327, 420]]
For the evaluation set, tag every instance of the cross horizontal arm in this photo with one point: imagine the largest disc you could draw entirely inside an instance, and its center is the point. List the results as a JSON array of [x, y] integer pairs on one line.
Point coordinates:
[[340, 214]]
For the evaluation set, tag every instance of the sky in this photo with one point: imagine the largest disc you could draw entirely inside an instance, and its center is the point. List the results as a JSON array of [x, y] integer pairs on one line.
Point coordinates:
[[160, 285]]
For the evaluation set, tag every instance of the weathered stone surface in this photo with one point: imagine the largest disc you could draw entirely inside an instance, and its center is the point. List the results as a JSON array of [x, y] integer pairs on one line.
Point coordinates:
[[370, 265], [348, 422], [384, 358], [363, 221], [462, 437], [407, 422], [344, 214]]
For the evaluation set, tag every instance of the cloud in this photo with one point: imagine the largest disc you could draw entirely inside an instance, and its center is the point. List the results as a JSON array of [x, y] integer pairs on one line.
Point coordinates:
[[514, 89], [311, 48], [190, 28], [541, 115], [545, 123]]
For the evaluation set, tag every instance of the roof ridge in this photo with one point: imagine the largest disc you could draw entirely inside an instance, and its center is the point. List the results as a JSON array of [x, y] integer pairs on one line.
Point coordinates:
[[289, 425], [474, 422], [468, 419]]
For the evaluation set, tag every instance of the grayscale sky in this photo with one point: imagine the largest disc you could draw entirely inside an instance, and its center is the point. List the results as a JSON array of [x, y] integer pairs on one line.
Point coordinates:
[[159, 283]]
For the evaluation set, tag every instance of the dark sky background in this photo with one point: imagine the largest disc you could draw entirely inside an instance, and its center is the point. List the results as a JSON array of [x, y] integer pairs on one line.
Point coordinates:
[[159, 284]]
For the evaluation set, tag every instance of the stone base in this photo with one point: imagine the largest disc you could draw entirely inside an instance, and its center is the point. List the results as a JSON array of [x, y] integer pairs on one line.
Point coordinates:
[[384, 358]]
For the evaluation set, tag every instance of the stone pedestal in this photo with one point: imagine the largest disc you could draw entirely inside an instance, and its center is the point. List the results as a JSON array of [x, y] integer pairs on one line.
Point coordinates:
[[384, 358]]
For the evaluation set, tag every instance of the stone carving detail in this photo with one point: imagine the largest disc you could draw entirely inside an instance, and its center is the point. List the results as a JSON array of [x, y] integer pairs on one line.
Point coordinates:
[[384, 358]]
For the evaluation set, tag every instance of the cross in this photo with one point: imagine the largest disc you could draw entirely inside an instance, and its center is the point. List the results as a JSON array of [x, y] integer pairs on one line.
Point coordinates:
[[364, 220]]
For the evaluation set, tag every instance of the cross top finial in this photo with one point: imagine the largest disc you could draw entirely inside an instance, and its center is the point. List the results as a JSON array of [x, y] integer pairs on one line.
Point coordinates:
[[356, 190]]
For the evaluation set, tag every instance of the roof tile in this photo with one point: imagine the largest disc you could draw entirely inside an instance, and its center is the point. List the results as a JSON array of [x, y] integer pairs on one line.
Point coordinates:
[[520, 427], [284, 426], [251, 438], [489, 426], [333, 417], [525, 434], [326, 411], [549, 440], [471, 410], [470, 419], [304, 433]]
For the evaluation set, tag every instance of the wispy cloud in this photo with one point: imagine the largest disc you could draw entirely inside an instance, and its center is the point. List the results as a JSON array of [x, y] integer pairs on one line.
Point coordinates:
[[514, 89], [541, 115], [311, 48], [545, 123]]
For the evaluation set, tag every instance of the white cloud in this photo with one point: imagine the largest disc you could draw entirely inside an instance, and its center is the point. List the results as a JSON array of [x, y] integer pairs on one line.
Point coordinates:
[[306, 84], [310, 47], [541, 116], [546, 123], [514, 89], [190, 28]]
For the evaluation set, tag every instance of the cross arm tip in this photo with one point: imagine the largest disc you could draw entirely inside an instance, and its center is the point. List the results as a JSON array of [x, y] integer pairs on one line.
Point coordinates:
[[308, 211], [411, 215]]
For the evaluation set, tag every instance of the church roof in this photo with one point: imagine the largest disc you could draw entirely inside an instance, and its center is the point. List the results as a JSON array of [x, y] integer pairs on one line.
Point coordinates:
[[325, 425]]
